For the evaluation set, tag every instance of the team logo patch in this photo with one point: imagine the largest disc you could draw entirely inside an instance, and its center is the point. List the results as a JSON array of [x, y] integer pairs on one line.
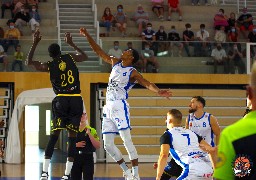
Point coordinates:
[[221, 160], [242, 166], [62, 66]]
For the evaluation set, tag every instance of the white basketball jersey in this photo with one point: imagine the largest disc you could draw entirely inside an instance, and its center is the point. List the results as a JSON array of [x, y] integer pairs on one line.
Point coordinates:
[[119, 82], [202, 127], [184, 146]]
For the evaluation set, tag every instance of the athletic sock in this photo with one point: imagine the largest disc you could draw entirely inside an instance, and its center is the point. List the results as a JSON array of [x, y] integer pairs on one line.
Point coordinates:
[[135, 171], [124, 166], [46, 163], [68, 167]]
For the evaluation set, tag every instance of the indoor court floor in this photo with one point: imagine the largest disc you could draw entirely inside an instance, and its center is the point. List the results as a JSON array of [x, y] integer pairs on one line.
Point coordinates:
[[31, 169]]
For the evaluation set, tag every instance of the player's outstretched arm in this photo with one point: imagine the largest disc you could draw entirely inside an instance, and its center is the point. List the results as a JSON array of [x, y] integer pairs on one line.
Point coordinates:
[[97, 49], [215, 128], [80, 56], [37, 64], [149, 85]]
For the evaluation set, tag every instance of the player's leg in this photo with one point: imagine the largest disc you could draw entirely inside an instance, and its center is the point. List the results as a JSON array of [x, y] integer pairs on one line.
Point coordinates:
[[48, 153], [75, 105], [131, 150], [172, 169]]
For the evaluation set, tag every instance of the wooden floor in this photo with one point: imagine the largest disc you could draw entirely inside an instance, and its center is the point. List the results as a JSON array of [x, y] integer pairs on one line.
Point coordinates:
[[32, 168], [31, 171]]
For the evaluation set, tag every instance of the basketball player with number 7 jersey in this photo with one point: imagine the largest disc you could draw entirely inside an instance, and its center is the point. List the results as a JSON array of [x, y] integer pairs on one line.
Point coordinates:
[[202, 123]]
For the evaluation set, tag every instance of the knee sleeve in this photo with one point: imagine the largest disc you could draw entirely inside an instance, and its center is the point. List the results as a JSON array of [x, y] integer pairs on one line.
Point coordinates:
[[72, 146], [111, 148], [130, 148], [50, 146]]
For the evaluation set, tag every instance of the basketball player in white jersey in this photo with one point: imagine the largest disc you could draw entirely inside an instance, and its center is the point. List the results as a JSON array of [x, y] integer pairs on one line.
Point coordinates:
[[116, 116], [184, 146], [202, 123]]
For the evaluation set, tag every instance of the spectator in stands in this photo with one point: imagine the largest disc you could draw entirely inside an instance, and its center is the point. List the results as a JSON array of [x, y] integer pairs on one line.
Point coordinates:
[[149, 37], [21, 18], [219, 57], [107, 20], [245, 22], [7, 4], [35, 19], [3, 58], [203, 44], [19, 56], [158, 8], [115, 51], [137, 62], [233, 38], [148, 57], [11, 36], [17, 5], [231, 21], [188, 38], [235, 60], [173, 6], [220, 19], [174, 37], [252, 39], [221, 37], [141, 18], [161, 39], [121, 20]]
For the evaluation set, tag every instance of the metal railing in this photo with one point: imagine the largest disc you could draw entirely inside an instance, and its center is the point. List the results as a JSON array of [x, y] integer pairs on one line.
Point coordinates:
[[58, 22]]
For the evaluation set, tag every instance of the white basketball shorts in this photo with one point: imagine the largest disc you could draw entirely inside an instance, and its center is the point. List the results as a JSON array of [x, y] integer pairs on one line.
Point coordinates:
[[116, 116]]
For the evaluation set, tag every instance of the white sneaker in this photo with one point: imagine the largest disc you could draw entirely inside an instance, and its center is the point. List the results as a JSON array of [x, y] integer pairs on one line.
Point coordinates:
[[128, 175], [44, 176], [136, 178]]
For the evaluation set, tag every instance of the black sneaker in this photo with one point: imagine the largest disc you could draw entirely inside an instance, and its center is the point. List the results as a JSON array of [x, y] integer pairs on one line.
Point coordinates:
[[44, 175], [65, 177]]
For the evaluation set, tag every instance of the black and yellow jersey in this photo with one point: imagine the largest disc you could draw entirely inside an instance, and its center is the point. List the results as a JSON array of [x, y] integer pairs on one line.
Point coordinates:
[[64, 75]]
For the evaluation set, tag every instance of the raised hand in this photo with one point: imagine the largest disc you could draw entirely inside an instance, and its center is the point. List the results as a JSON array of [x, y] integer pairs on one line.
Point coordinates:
[[165, 93], [37, 37], [83, 31], [68, 39]]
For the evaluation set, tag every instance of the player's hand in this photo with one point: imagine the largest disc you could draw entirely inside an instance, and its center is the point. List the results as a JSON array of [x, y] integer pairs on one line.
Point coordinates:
[[68, 39], [165, 93], [155, 165], [37, 37], [81, 144], [83, 31]]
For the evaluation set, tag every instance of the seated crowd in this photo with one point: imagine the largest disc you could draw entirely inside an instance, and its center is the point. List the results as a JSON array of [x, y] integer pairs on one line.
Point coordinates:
[[228, 32], [24, 14]]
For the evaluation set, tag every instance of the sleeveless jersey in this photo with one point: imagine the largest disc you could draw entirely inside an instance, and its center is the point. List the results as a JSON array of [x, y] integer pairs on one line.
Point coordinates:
[[119, 82], [184, 146], [202, 127], [64, 75]]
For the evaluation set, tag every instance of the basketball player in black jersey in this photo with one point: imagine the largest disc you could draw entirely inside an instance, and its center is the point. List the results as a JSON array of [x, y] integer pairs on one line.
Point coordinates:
[[67, 106]]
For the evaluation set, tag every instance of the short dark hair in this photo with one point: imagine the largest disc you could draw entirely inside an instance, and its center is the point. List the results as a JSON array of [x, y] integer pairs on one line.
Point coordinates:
[[176, 114], [222, 10], [200, 99], [54, 50], [116, 42], [120, 6], [129, 43], [202, 25], [188, 25], [149, 24]]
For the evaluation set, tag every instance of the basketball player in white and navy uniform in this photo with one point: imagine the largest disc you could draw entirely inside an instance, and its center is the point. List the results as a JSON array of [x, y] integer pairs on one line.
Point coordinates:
[[202, 123], [116, 115], [183, 145]]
